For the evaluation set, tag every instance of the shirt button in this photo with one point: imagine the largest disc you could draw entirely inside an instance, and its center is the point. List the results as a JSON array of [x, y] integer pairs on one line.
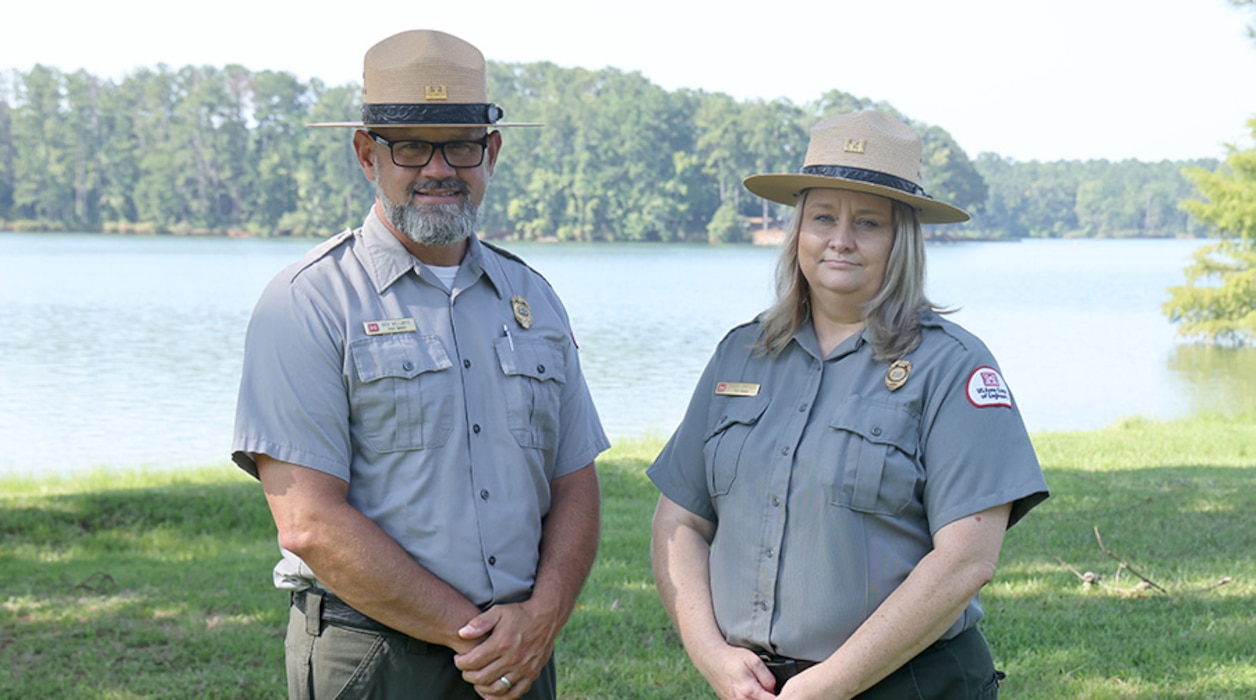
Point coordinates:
[[769, 552], [776, 502], [763, 605], [876, 430], [476, 428], [466, 363], [785, 451], [407, 365], [802, 408], [484, 494], [492, 561], [540, 369]]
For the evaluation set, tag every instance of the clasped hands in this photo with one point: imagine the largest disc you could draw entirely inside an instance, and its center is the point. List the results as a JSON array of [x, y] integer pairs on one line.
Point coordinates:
[[511, 641], [736, 673]]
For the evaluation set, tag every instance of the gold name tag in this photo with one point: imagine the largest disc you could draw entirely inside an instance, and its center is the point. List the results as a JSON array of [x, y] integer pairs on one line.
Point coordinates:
[[392, 325], [736, 389]]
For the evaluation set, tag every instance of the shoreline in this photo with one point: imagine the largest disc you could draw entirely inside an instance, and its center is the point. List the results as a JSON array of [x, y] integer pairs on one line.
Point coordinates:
[[111, 474]]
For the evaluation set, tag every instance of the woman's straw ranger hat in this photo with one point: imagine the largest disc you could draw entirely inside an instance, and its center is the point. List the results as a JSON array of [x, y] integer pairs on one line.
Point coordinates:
[[425, 78], [865, 151]]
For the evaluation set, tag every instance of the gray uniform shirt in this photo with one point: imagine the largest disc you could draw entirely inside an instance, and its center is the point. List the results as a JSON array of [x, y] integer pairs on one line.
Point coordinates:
[[447, 416], [826, 487]]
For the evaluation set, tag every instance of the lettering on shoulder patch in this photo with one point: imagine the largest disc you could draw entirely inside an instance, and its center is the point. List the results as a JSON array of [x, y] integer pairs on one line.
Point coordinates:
[[986, 388]]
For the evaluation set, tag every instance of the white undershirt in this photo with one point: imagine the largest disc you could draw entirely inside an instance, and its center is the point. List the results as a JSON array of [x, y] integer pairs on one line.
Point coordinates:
[[445, 274]]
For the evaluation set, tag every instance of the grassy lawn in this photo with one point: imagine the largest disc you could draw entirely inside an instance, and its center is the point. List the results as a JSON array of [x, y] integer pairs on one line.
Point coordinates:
[[158, 585]]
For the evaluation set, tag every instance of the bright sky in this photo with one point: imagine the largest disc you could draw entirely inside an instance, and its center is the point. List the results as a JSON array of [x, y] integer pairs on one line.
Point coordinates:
[[1027, 79]]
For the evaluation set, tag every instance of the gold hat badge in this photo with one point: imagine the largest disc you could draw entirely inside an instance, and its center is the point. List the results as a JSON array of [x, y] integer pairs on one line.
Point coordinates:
[[896, 376]]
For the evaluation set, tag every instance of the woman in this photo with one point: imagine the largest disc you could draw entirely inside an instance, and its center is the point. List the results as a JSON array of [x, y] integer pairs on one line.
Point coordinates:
[[838, 490]]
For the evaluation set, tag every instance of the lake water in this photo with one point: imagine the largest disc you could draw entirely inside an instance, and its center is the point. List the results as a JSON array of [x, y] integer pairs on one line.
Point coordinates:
[[125, 351]]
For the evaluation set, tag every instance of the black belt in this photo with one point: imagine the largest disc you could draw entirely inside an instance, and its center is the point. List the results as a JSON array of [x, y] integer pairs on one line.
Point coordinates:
[[336, 611], [784, 668]]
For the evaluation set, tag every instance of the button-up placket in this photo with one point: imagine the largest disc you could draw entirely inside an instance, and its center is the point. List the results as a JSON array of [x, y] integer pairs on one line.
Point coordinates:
[[777, 493]]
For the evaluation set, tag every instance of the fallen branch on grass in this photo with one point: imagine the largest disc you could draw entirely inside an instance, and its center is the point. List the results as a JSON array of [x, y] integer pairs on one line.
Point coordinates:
[[1125, 565], [1089, 578], [1223, 581]]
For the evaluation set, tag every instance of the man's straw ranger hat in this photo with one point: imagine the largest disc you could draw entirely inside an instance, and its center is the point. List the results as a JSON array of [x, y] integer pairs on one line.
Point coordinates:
[[425, 78], [864, 151]]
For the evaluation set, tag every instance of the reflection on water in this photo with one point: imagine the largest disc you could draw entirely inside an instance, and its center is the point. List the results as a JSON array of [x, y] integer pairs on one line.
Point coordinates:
[[1220, 379], [125, 351]]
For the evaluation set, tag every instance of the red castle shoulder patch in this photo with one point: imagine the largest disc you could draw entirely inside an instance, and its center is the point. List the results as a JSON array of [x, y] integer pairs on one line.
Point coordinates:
[[986, 388]]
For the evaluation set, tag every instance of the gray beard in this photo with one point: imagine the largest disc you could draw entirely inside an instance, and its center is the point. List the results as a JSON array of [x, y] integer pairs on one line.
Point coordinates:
[[431, 224]]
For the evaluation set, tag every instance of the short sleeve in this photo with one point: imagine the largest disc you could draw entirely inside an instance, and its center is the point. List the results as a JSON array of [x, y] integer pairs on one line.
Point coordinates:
[[977, 454], [293, 404], [679, 471], [581, 437]]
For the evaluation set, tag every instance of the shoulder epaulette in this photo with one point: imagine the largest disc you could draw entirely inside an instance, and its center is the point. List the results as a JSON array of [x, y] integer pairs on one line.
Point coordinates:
[[511, 256], [319, 251], [734, 329]]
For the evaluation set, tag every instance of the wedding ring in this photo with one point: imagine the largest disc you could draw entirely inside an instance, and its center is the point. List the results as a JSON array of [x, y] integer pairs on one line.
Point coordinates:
[[506, 682]]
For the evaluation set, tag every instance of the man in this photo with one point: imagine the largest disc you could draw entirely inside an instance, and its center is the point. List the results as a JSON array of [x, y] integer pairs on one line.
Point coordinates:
[[413, 405]]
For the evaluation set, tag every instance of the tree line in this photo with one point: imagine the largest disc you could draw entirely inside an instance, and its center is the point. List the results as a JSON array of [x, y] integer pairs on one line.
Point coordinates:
[[203, 149]]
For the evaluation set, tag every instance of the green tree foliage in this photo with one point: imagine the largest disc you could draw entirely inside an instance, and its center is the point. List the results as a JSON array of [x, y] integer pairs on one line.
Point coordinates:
[[1218, 302], [331, 193], [773, 140], [6, 147], [1084, 198], [948, 173], [278, 107], [42, 165], [726, 226], [203, 149]]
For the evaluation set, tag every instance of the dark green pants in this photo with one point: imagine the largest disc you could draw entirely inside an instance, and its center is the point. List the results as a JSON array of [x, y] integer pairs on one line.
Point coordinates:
[[957, 669], [328, 660]]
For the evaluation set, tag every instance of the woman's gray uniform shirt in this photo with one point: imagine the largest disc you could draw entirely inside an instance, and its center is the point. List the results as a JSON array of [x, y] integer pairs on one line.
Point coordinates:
[[826, 487], [445, 415]]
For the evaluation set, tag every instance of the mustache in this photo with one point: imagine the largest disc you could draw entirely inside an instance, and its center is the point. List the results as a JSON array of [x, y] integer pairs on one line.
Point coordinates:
[[446, 184]]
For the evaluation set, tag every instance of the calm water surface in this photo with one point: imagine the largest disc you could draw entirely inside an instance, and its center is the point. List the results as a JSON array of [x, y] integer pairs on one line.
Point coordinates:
[[125, 351]]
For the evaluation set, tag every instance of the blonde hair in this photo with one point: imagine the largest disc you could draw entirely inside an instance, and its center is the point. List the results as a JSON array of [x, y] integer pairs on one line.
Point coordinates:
[[892, 317]]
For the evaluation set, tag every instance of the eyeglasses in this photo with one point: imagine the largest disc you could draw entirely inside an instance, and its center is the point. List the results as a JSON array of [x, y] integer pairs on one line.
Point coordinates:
[[416, 154]]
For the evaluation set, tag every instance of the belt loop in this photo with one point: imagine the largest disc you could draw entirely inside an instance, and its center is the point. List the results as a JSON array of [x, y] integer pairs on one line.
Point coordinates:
[[313, 612]]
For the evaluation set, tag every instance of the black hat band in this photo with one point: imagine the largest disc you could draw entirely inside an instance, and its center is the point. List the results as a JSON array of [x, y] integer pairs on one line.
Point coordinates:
[[419, 114], [872, 177]]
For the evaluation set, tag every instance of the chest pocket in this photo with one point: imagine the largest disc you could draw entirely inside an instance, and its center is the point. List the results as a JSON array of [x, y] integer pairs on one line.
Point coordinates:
[[724, 448], [403, 394], [535, 373], [878, 470]]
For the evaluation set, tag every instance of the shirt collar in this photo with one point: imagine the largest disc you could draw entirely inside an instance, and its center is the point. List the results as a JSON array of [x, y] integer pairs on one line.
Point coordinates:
[[479, 262], [383, 256], [806, 339]]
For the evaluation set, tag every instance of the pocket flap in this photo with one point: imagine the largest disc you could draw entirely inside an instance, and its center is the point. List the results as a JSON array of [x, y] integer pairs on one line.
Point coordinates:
[[732, 410], [403, 356], [540, 361], [879, 423]]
